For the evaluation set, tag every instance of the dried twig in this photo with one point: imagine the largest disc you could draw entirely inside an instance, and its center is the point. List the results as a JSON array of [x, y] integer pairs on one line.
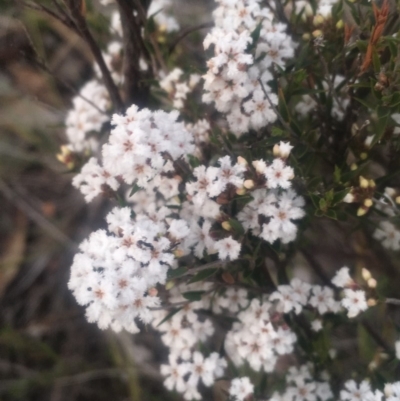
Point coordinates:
[[43, 65], [187, 32], [36, 216], [74, 7]]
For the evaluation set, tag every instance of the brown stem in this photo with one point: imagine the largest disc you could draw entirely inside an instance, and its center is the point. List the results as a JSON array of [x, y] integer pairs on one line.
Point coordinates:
[[135, 91], [74, 7]]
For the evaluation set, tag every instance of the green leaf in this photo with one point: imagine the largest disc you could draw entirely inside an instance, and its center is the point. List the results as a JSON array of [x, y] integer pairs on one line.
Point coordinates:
[[283, 107], [202, 275], [376, 61], [193, 295], [276, 131], [323, 204], [255, 35], [299, 76], [366, 345], [365, 103], [315, 200], [331, 214], [170, 314], [339, 196], [336, 174], [174, 273], [237, 226], [194, 161], [329, 196], [134, 189]]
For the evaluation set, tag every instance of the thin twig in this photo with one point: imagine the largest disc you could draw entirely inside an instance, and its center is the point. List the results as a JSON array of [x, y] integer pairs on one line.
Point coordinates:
[[80, 21], [39, 7], [197, 269], [143, 17], [36, 216], [187, 32], [42, 65], [392, 301], [275, 110]]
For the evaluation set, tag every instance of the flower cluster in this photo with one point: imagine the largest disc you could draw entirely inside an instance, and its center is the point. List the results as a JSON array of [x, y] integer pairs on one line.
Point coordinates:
[[203, 241], [115, 274], [138, 148], [86, 118], [237, 78], [177, 87], [257, 339]]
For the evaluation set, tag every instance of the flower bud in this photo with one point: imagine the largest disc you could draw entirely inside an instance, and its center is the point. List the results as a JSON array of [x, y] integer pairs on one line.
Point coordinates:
[[306, 36], [249, 184], [368, 202], [240, 191], [349, 198], [226, 226], [282, 150], [398, 200], [153, 292], [318, 20], [364, 183], [178, 253], [66, 157], [363, 155], [371, 302], [372, 283], [353, 167], [317, 33], [340, 24], [366, 274], [368, 140], [260, 166], [362, 211], [242, 161], [169, 285]]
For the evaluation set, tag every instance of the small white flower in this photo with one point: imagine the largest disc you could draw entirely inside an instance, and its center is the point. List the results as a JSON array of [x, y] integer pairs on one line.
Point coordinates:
[[354, 301], [241, 388], [316, 325], [342, 278], [228, 248]]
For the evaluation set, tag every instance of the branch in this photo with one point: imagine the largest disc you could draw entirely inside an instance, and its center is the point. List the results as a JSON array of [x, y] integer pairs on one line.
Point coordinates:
[[187, 32], [134, 47], [74, 7], [65, 20], [42, 64]]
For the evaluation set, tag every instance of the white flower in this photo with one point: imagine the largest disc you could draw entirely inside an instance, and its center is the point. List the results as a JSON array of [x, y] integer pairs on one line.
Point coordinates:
[[323, 299], [278, 174], [288, 299], [228, 248], [241, 388], [354, 301], [316, 325], [353, 392], [389, 235], [282, 150], [179, 229], [175, 373], [342, 278]]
